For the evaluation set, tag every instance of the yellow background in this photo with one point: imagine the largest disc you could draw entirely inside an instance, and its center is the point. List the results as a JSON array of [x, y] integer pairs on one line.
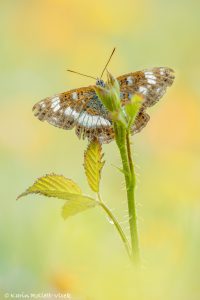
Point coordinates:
[[39, 251]]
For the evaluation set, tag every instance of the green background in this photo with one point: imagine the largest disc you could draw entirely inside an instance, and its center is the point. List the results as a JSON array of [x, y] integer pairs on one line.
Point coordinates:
[[39, 251]]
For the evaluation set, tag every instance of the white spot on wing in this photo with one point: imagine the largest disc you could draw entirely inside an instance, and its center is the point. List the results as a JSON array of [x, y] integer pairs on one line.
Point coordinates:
[[42, 104], [99, 122], [85, 120], [142, 90], [94, 122], [151, 81], [56, 108], [75, 114], [74, 96], [89, 121], [150, 76], [130, 80], [55, 101], [81, 118], [68, 111], [104, 122]]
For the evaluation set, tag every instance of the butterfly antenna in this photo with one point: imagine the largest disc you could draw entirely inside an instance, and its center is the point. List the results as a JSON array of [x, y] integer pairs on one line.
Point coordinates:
[[107, 62], [82, 74]]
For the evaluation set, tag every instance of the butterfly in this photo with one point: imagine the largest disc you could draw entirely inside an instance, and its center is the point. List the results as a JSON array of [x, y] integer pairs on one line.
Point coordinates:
[[82, 109]]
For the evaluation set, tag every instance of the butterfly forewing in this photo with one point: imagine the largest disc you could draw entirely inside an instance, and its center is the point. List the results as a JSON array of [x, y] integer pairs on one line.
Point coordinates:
[[81, 108], [78, 108], [151, 83]]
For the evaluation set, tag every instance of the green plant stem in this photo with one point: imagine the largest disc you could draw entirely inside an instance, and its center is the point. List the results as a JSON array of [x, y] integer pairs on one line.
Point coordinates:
[[123, 143], [131, 202], [117, 225]]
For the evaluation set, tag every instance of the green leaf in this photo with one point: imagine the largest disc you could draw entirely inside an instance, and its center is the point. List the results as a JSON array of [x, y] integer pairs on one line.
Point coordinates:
[[53, 185], [58, 186], [78, 204], [133, 107], [93, 164]]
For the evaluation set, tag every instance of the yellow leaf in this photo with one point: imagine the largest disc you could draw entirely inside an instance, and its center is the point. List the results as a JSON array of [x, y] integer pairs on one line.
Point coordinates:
[[78, 204], [53, 185], [93, 164], [62, 188]]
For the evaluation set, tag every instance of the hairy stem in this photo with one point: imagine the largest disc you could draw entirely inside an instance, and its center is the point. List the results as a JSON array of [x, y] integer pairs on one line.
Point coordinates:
[[117, 225], [131, 203], [123, 143]]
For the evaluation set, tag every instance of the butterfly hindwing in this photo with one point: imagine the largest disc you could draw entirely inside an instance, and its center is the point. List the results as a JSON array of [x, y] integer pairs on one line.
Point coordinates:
[[140, 122]]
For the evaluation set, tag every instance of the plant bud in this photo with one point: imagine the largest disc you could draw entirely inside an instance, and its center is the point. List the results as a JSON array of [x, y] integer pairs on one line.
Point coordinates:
[[113, 83], [110, 95]]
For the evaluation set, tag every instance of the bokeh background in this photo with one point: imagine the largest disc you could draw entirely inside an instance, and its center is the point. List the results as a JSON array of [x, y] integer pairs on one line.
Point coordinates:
[[39, 251]]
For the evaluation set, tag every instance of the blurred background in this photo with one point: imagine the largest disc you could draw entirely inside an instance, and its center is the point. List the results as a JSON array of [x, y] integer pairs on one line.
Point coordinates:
[[39, 251]]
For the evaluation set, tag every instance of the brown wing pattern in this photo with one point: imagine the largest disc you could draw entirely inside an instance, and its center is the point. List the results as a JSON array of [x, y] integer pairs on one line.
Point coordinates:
[[151, 83], [82, 109], [78, 108]]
